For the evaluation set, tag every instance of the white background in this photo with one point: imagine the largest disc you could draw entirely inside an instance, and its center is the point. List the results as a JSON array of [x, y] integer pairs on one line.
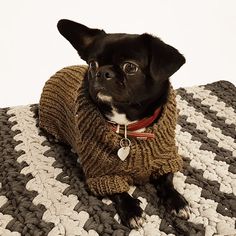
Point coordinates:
[[31, 49]]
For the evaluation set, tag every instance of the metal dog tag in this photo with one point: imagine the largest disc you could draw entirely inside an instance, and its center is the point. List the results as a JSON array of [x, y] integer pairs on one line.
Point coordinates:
[[123, 152], [124, 149], [125, 144]]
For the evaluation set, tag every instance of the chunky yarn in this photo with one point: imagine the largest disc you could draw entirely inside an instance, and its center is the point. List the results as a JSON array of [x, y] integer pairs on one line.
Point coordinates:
[[67, 112]]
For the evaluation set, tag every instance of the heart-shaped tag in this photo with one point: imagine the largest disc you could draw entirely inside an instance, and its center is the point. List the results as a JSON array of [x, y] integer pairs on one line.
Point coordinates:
[[123, 152]]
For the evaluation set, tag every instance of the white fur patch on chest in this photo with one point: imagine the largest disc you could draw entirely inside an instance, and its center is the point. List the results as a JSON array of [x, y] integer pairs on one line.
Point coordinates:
[[118, 118], [121, 119]]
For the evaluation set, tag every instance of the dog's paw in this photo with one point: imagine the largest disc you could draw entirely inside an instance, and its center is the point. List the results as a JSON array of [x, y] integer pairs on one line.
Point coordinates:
[[137, 222], [179, 206], [183, 213], [132, 214], [129, 211]]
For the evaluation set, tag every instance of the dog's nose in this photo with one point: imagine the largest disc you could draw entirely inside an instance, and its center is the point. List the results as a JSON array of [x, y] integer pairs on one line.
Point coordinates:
[[105, 72]]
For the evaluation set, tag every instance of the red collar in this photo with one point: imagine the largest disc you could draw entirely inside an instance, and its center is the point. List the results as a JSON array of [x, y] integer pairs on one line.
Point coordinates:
[[145, 122]]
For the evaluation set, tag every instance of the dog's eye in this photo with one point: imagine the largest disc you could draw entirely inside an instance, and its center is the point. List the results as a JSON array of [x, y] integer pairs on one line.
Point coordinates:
[[130, 68], [93, 65]]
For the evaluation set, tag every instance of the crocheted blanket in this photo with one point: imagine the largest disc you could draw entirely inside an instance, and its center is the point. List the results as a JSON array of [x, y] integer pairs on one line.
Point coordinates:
[[42, 190]]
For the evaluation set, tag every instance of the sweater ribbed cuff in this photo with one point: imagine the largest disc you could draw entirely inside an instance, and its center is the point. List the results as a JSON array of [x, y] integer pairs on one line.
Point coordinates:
[[108, 185]]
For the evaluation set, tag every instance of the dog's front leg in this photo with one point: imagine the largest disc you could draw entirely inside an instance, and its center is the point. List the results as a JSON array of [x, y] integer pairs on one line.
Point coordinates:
[[170, 196], [129, 210]]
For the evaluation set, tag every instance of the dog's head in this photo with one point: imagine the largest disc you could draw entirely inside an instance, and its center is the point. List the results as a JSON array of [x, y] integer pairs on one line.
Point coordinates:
[[123, 68]]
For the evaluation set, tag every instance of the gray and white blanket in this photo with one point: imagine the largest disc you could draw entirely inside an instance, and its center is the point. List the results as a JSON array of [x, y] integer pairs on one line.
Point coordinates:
[[42, 188]]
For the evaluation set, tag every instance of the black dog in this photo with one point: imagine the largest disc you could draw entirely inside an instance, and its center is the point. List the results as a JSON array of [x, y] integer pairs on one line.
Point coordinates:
[[128, 79]]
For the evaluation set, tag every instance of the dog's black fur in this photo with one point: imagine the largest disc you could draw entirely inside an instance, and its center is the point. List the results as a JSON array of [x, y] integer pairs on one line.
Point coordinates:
[[129, 73]]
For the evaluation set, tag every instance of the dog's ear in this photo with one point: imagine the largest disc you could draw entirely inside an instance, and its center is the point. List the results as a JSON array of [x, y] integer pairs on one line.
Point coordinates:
[[164, 59], [80, 36]]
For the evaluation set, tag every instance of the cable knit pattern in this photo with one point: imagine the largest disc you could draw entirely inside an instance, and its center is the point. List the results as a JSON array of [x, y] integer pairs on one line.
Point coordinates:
[[67, 112]]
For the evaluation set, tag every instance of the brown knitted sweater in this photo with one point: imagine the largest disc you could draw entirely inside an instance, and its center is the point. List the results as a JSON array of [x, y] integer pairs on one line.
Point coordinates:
[[68, 113]]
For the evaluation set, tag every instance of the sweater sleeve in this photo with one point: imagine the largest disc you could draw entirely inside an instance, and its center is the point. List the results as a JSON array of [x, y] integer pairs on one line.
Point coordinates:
[[108, 185]]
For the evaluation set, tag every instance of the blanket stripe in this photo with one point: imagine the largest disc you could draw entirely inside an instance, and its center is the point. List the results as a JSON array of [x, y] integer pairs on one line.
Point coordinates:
[[49, 190], [224, 91], [26, 216], [221, 116]]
